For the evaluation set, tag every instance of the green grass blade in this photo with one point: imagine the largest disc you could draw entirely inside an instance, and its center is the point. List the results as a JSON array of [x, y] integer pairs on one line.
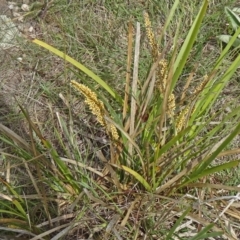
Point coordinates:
[[226, 38], [173, 141], [138, 177], [9, 187], [20, 208], [234, 18], [188, 43], [234, 133], [226, 49], [213, 170], [206, 162], [231, 118], [171, 14], [204, 235], [12, 213], [63, 168], [212, 92], [81, 67], [61, 165], [177, 223]]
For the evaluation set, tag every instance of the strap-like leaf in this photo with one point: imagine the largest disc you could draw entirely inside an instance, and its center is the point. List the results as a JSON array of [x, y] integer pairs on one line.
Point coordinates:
[[226, 39], [81, 67], [234, 19]]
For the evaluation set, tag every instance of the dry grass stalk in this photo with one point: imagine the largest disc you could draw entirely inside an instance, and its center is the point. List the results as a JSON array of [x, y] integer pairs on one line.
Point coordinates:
[[97, 108], [128, 75]]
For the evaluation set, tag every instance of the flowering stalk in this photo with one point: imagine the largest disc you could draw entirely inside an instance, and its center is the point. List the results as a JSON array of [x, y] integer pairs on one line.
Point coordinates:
[[97, 108]]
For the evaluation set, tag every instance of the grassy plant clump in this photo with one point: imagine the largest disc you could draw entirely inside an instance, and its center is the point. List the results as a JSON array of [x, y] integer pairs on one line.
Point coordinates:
[[152, 172]]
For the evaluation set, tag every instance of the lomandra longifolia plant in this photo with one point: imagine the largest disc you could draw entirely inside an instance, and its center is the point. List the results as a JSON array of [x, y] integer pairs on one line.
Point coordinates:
[[158, 141], [147, 166]]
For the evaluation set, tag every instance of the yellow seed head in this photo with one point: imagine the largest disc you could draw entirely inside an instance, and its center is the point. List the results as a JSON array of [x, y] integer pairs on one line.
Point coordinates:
[[151, 37], [171, 106], [114, 133], [162, 75], [96, 106], [201, 86], [161, 83], [182, 118]]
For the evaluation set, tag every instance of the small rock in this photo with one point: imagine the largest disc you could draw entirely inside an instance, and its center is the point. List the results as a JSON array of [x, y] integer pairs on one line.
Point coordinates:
[[11, 6], [31, 29], [15, 8], [25, 7], [18, 16], [12, 3]]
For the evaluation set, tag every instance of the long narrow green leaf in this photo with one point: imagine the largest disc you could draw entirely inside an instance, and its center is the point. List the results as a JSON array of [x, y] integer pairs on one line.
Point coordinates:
[[10, 188], [234, 18], [213, 170], [170, 15], [188, 43], [173, 140], [138, 177], [177, 224], [206, 162], [226, 49], [216, 89], [81, 67], [20, 208], [226, 38], [230, 120], [212, 91], [12, 213], [204, 235], [63, 168]]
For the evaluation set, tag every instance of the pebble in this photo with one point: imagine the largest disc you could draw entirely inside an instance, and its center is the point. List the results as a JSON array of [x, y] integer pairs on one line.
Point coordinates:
[[25, 7]]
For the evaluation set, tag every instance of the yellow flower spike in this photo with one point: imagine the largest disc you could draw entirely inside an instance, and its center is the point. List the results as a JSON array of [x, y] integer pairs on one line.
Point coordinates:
[[162, 81], [151, 37], [180, 121], [201, 86], [171, 105], [97, 108], [114, 133], [162, 73]]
